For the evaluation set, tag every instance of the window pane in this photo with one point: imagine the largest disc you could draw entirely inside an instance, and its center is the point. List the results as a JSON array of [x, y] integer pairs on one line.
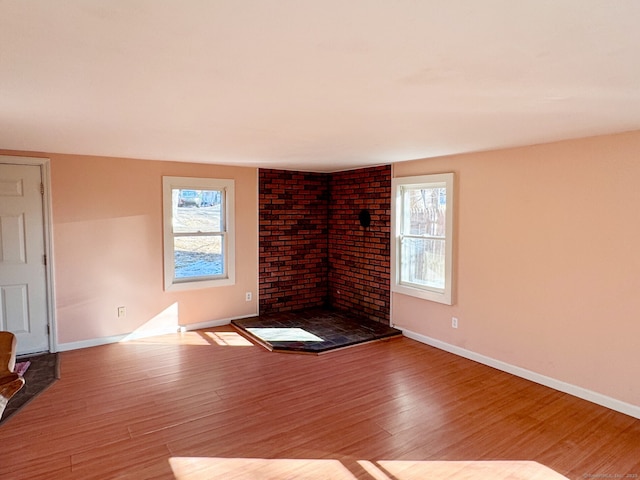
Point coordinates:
[[197, 210], [423, 262], [198, 256], [425, 211]]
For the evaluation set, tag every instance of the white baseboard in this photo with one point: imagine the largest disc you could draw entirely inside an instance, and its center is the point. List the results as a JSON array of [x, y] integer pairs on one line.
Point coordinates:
[[594, 397], [96, 342]]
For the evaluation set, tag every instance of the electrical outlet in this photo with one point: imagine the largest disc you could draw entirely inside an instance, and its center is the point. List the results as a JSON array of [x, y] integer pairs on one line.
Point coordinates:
[[248, 296], [454, 322], [122, 312]]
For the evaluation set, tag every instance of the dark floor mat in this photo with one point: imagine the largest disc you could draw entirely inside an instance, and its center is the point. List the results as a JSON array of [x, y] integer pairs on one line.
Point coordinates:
[[43, 370]]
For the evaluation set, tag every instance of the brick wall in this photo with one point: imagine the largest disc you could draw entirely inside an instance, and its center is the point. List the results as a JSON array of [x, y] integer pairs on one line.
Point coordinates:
[[293, 218], [359, 258], [313, 251]]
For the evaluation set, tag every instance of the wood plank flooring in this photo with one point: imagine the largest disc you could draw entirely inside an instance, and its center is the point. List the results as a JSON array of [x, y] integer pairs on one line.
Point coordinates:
[[208, 404]]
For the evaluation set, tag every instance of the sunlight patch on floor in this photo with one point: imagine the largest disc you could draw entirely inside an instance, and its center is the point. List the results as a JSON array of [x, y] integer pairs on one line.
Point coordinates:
[[284, 335], [228, 339], [201, 468], [223, 339], [441, 470], [190, 468], [180, 338]]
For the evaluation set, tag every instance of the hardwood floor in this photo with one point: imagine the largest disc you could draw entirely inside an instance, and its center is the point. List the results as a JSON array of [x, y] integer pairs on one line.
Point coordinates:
[[207, 404]]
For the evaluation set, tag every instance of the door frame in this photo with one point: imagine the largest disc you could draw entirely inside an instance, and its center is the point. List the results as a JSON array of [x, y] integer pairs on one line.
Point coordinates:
[[44, 164]]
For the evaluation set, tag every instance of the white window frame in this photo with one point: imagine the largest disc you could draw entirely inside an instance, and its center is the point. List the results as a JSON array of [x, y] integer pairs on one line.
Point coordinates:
[[446, 180], [191, 183]]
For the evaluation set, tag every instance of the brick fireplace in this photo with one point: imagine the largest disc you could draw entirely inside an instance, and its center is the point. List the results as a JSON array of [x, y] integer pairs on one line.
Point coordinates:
[[314, 252]]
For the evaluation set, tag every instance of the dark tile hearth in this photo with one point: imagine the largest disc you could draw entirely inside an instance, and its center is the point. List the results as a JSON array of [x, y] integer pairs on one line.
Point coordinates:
[[313, 331]]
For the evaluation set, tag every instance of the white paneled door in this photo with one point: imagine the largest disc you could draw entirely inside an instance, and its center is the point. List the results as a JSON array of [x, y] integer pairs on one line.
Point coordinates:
[[23, 282]]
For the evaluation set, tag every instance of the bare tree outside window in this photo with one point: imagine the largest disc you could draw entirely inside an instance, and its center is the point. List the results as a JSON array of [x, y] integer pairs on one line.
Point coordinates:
[[423, 231]]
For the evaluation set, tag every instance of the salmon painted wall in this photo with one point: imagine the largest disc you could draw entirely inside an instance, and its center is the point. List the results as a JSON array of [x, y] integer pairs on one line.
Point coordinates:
[[107, 241], [547, 261]]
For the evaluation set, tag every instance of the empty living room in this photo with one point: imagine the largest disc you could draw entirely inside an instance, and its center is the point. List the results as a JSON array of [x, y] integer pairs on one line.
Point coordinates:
[[385, 240]]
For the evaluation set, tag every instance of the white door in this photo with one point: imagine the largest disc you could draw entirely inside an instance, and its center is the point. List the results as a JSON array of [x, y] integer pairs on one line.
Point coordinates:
[[23, 282]]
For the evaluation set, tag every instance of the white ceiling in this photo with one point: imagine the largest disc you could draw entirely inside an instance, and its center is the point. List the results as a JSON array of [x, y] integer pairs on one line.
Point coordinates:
[[318, 85]]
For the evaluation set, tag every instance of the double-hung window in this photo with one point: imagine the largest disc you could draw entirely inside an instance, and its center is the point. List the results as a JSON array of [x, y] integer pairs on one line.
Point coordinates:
[[422, 244], [198, 232]]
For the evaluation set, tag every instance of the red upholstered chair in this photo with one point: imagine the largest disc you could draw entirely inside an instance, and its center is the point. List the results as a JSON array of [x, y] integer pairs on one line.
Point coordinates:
[[10, 382]]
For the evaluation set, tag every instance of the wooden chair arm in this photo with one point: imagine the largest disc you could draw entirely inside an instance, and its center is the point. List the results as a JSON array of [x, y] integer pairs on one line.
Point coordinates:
[[10, 382], [7, 352], [9, 386]]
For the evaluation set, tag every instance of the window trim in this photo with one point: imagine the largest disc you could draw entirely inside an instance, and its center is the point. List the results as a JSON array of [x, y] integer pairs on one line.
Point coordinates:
[[445, 295], [198, 183]]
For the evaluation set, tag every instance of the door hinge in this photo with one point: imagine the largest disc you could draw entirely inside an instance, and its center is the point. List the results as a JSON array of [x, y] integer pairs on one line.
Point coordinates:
[[48, 330], [44, 259], [41, 188]]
